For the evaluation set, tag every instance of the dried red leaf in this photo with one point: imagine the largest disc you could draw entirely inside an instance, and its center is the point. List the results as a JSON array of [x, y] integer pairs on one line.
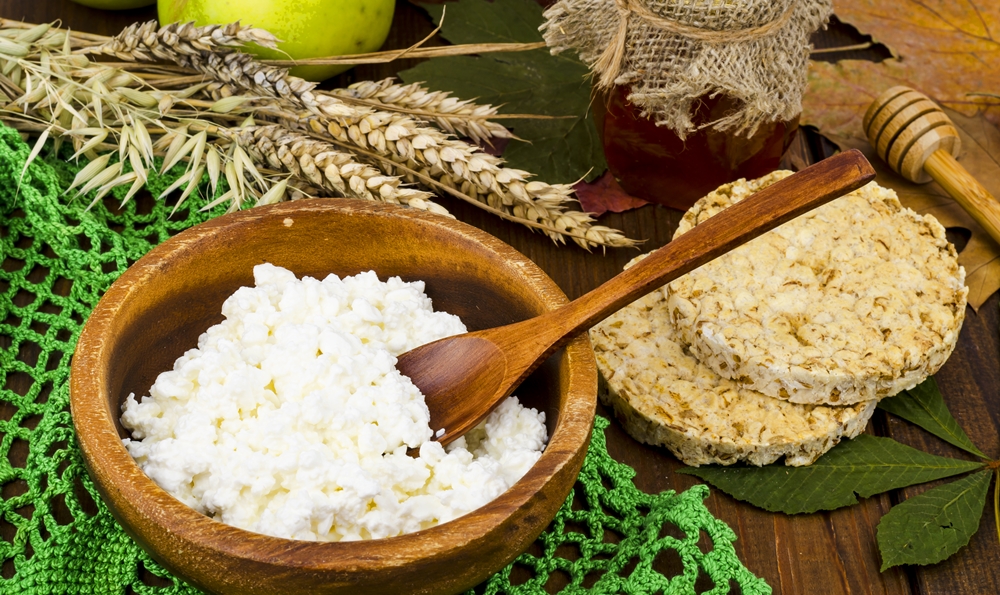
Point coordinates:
[[605, 194]]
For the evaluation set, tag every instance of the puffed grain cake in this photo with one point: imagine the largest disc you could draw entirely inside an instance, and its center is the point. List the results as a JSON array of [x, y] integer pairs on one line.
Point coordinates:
[[854, 301], [665, 397]]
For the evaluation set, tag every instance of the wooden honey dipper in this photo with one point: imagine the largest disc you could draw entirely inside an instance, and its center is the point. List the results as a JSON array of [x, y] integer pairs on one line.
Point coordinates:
[[917, 140]]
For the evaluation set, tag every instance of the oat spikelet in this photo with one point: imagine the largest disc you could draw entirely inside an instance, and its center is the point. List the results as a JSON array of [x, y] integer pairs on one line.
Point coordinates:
[[459, 117], [106, 122]]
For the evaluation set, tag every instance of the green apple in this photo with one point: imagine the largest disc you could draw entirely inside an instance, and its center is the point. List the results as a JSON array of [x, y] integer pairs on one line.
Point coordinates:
[[115, 4], [306, 28]]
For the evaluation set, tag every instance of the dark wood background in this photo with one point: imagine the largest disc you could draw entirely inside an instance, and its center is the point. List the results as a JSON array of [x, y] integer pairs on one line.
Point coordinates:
[[829, 553]]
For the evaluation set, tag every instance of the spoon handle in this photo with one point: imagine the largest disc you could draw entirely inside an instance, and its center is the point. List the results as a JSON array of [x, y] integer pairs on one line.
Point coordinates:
[[736, 225]]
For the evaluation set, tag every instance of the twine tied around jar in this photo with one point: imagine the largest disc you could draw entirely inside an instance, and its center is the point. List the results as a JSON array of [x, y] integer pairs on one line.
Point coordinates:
[[608, 66], [671, 54]]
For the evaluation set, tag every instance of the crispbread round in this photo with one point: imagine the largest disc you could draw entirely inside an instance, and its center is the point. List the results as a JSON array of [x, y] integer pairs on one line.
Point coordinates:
[[854, 301], [664, 397]]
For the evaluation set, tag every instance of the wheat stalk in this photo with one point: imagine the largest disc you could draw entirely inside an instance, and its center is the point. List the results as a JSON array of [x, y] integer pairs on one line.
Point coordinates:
[[468, 172], [213, 50], [323, 166], [457, 165], [459, 117], [365, 142]]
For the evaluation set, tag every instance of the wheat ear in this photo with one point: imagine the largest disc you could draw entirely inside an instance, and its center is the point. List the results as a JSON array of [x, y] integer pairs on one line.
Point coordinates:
[[450, 162], [459, 117]]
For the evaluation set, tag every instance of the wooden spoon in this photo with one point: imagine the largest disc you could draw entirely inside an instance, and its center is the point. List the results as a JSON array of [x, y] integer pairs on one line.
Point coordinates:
[[464, 377]]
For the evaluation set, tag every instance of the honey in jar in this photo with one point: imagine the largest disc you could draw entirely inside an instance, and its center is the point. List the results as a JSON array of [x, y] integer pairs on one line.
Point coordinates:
[[653, 163]]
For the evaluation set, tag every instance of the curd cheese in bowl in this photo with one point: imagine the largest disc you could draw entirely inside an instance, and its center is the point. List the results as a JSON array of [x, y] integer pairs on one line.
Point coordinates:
[[289, 419], [155, 313]]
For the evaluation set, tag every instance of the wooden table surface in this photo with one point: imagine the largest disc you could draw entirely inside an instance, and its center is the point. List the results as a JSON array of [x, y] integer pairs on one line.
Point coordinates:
[[828, 553]]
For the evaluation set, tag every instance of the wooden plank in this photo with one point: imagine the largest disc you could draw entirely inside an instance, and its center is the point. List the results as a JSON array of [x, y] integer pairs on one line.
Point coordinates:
[[822, 553]]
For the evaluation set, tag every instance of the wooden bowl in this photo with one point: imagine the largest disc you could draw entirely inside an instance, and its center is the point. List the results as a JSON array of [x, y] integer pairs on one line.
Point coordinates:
[[158, 308]]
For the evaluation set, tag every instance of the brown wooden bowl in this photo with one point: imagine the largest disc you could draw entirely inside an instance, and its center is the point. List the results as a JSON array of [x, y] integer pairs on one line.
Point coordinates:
[[158, 308]]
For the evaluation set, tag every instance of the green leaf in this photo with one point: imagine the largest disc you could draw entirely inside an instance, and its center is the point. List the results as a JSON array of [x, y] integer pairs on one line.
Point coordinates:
[[934, 525], [865, 466], [560, 149], [924, 406], [479, 21], [996, 501]]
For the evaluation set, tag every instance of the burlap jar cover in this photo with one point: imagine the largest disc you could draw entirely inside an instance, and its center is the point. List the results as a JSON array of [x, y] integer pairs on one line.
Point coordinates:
[[673, 52]]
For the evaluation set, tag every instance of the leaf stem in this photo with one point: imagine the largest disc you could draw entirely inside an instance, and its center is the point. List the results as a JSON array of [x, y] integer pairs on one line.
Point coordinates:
[[843, 48], [996, 501], [412, 52], [988, 95]]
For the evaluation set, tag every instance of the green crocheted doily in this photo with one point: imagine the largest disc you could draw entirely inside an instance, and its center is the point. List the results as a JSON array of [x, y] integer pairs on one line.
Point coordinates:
[[58, 259]]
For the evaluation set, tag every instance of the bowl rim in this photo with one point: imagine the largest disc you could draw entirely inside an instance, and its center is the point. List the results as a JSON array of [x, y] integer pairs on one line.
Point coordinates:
[[111, 467]]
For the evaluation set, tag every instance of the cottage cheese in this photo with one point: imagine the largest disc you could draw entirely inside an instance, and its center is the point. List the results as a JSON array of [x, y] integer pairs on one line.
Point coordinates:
[[289, 418]]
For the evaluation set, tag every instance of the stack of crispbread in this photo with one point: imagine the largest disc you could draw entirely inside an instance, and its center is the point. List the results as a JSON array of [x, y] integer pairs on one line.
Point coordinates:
[[782, 347]]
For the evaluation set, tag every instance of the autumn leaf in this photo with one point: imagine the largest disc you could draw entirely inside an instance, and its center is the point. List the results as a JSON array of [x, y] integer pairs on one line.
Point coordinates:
[[838, 93], [945, 50], [980, 154], [605, 194]]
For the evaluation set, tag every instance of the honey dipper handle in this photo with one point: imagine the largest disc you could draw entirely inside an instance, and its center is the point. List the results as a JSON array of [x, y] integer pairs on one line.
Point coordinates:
[[959, 183]]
